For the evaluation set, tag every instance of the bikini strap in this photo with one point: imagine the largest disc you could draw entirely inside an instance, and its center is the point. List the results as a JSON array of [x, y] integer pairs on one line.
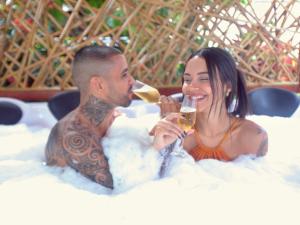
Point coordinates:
[[233, 126]]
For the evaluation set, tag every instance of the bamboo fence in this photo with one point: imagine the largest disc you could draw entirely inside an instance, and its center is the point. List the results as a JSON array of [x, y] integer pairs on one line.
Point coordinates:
[[38, 39]]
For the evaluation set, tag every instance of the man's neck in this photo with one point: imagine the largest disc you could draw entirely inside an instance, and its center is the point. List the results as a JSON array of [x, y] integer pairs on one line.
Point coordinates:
[[95, 110]]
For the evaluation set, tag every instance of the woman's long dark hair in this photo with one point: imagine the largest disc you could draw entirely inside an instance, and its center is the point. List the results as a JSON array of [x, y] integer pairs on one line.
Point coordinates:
[[220, 62]]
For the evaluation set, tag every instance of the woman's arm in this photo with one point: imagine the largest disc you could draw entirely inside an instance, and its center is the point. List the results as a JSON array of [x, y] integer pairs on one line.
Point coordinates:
[[262, 147]]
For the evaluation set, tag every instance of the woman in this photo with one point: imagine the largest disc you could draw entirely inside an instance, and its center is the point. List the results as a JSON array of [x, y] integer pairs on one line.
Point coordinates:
[[221, 131]]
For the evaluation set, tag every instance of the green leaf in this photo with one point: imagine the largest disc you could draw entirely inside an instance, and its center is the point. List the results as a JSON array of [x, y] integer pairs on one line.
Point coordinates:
[[125, 33], [87, 11], [228, 2], [95, 3], [41, 49], [113, 23], [247, 36], [179, 69], [59, 2], [58, 15], [199, 40], [164, 12], [94, 43], [119, 12], [56, 63], [244, 2], [2, 7], [61, 72], [68, 41], [2, 21], [177, 18], [132, 29], [51, 27], [128, 29]]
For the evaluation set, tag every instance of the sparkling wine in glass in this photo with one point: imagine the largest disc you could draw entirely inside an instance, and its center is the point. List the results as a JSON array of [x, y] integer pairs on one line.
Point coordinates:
[[188, 113], [145, 92], [186, 121]]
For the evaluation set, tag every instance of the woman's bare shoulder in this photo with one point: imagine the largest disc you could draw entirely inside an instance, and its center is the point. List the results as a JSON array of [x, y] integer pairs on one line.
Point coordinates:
[[253, 137]]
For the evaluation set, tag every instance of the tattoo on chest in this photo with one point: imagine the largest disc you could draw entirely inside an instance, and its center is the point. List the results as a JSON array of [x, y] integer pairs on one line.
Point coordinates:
[[95, 110]]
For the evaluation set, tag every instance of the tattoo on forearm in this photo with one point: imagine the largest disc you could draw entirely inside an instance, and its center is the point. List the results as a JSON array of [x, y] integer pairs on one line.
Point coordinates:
[[95, 110]]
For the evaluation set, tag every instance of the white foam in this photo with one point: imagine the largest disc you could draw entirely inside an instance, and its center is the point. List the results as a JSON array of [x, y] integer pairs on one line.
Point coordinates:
[[246, 191]]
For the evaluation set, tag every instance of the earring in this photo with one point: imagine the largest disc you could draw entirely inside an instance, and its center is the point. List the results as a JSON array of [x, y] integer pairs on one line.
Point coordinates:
[[228, 93]]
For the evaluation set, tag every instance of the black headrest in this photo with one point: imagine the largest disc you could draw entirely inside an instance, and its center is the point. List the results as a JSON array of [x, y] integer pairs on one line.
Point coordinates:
[[273, 102], [63, 103], [10, 113]]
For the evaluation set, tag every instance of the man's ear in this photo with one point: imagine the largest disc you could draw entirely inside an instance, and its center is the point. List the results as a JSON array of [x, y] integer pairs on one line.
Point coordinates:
[[96, 85]]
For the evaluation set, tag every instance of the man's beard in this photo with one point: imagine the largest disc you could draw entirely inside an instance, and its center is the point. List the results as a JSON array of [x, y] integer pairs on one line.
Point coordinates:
[[125, 101]]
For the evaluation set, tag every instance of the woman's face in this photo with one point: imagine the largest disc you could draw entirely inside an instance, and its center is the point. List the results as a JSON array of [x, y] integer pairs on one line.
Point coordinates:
[[197, 83]]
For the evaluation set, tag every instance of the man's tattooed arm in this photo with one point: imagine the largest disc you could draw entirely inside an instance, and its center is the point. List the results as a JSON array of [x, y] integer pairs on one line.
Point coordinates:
[[53, 153], [84, 153]]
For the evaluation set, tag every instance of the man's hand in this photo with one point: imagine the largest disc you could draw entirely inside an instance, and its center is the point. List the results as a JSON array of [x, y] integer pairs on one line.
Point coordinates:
[[168, 105]]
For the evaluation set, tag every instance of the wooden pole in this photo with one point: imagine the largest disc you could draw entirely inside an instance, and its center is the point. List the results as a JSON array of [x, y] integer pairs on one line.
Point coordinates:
[[298, 68]]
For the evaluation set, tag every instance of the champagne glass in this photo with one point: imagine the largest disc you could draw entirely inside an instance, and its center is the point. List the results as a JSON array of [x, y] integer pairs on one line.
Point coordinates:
[[186, 121], [188, 113], [145, 92]]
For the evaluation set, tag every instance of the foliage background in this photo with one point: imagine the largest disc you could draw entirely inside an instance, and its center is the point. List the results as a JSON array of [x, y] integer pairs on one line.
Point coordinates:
[[38, 38]]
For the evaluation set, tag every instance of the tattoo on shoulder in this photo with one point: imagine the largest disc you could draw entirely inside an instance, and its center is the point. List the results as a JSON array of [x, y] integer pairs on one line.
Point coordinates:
[[84, 153], [260, 130], [263, 146], [95, 110]]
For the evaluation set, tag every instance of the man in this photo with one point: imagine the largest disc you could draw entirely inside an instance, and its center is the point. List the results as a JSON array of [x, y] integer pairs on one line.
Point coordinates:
[[101, 74]]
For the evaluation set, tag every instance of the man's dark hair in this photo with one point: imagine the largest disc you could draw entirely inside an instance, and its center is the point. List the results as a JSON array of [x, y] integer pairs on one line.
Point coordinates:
[[95, 52], [91, 61]]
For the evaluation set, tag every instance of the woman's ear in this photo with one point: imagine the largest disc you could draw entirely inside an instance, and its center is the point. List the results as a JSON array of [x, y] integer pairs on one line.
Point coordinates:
[[227, 89]]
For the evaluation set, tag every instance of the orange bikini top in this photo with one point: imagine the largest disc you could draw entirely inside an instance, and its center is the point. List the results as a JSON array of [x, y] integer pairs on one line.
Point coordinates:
[[203, 152]]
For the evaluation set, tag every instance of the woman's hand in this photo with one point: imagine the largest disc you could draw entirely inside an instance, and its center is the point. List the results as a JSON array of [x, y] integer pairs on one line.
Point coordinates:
[[166, 131], [168, 105]]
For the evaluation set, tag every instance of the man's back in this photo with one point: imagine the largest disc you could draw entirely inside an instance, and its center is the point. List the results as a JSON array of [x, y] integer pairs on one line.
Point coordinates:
[[73, 143], [102, 77]]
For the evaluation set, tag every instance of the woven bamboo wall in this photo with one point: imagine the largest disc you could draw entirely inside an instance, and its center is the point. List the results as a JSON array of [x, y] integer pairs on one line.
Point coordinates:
[[38, 38]]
